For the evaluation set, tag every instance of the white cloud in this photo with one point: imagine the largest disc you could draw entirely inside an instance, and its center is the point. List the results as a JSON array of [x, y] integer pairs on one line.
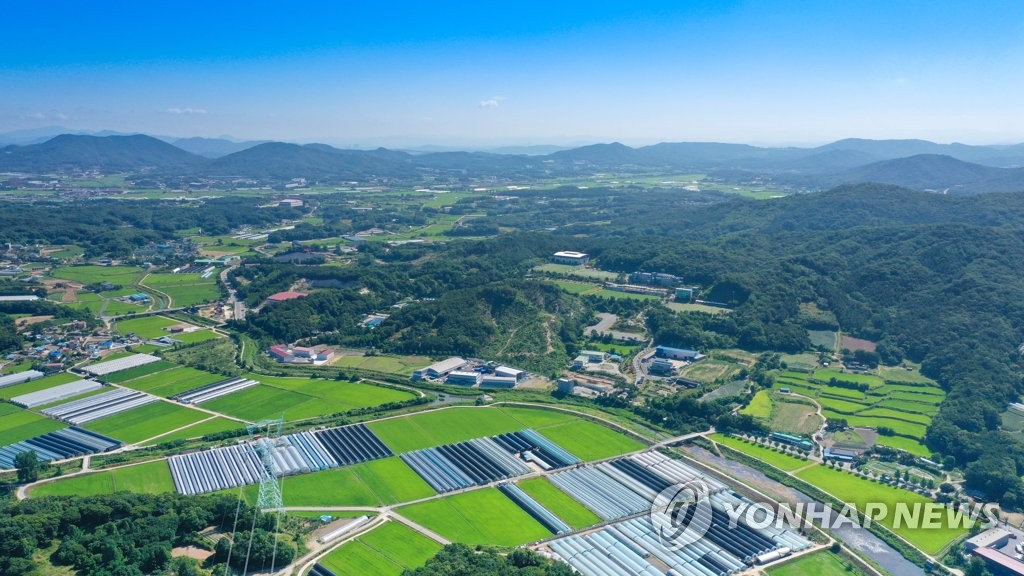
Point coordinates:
[[37, 116], [186, 111], [492, 102]]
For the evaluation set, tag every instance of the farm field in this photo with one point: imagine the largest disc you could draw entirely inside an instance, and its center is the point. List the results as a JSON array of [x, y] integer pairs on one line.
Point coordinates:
[[439, 427], [202, 428], [709, 370], [823, 338], [559, 503], [148, 478], [138, 371], [37, 385], [374, 483], [146, 327], [823, 563], [781, 461], [185, 289], [483, 516], [123, 275], [146, 421], [196, 336], [576, 271], [860, 491], [760, 406], [387, 550], [403, 365], [176, 380], [537, 418], [901, 443], [578, 288], [17, 424], [590, 441]]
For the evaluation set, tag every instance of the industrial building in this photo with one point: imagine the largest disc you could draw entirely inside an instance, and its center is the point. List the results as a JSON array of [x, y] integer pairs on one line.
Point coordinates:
[[440, 369], [662, 367], [565, 385], [798, 441], [509, 372], [300, 355], [459, 378], [684, 295], [571, 258], [498, 381], [655, 279], [678, 354]]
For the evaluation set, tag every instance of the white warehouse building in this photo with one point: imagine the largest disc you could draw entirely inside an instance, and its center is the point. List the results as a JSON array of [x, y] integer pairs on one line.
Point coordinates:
[[571, 258]]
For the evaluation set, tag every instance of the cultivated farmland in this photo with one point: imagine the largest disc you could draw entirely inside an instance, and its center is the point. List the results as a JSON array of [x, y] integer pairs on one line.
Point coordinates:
[[149, 478], [146, 421], [483, 516], [387, 550]]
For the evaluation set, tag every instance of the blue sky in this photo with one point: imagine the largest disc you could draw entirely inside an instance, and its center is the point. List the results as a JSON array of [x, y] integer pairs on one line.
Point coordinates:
[[399, 74]]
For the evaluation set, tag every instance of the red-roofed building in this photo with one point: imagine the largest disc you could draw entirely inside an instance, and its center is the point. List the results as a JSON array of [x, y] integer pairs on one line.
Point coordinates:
[[999, 563], [300, 355], [284, 296]]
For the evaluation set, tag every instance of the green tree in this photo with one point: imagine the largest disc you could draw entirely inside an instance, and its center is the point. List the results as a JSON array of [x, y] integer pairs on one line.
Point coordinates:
[[28, 466]]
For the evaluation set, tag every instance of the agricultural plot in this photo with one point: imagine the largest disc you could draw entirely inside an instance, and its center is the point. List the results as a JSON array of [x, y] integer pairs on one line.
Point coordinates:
[[146, 421], [589, 441], [17, 424], [769, 455], [439, 427], [36, 385], [578, 288], [479, 517], [559, 503], [388, 550], [185, 289], [148, 478], [905, 409], [710, 370], [123, 275], [859, 491], [402, 365], [760, 406], [299, 398], [823, 563], [196, 336], [576, 272], [537, 418], [139, 372], [146, 327], [823, 339], [200, 429], [169, 382], [784, 412]]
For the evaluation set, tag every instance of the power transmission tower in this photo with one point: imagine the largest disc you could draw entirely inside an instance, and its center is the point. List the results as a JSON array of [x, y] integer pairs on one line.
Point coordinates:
[[266, 437]]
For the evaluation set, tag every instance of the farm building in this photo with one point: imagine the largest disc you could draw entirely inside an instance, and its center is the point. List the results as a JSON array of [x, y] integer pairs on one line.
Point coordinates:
[[839, 455], [120, 364], [678, 354], [565, 385], [439, 369], [797, 441], [300, 355], [58, 445], [654, 279], [274, 299], [19, 378], [22, 298], [463, 378], [139, 297], [571, 258], [662, 366]]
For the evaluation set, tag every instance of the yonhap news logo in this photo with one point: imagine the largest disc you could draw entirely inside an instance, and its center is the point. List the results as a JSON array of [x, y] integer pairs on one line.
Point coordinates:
[[682, 514]]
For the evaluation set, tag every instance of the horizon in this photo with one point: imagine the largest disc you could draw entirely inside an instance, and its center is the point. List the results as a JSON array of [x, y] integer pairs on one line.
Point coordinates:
[[744, 72]]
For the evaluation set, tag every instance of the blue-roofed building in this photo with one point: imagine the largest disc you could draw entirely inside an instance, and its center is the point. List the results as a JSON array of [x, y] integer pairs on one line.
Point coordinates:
[[678, 354]]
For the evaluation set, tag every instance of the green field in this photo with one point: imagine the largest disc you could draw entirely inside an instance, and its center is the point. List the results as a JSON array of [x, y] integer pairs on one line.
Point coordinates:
[[439, 427], [17, 424], [167, 383], [703, 308], [576, 271], [860, 491], [387, 550], [146, 421], [374, 483], [148, 478], [822, 563], [578, 288], [195, 336], [559, 503], [123, 275], [769, 455], [211, 426], [479, 517], [901, 443], [147, 326], [590, 441], [537, 418], [299, 398], [185, 289], [760, 406], [402, 365]]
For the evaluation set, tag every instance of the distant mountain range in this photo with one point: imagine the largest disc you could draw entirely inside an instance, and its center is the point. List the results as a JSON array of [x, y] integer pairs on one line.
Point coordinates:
[[919, 164]]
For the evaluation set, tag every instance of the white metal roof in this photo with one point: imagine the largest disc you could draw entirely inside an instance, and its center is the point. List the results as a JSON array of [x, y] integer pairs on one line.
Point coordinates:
[[125, 363]]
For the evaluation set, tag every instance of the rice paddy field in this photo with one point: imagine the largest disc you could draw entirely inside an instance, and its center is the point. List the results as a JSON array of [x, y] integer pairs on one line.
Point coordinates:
[[185, 289], [300, 398], [402, 365], [37, 385], [123, 275], [17, 424], [146, 327], [590, 441], [146, 421], [168, 382], [388, 550], [139, 371], [900, 400], [148, 478], [559, 503], [483, 516]]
